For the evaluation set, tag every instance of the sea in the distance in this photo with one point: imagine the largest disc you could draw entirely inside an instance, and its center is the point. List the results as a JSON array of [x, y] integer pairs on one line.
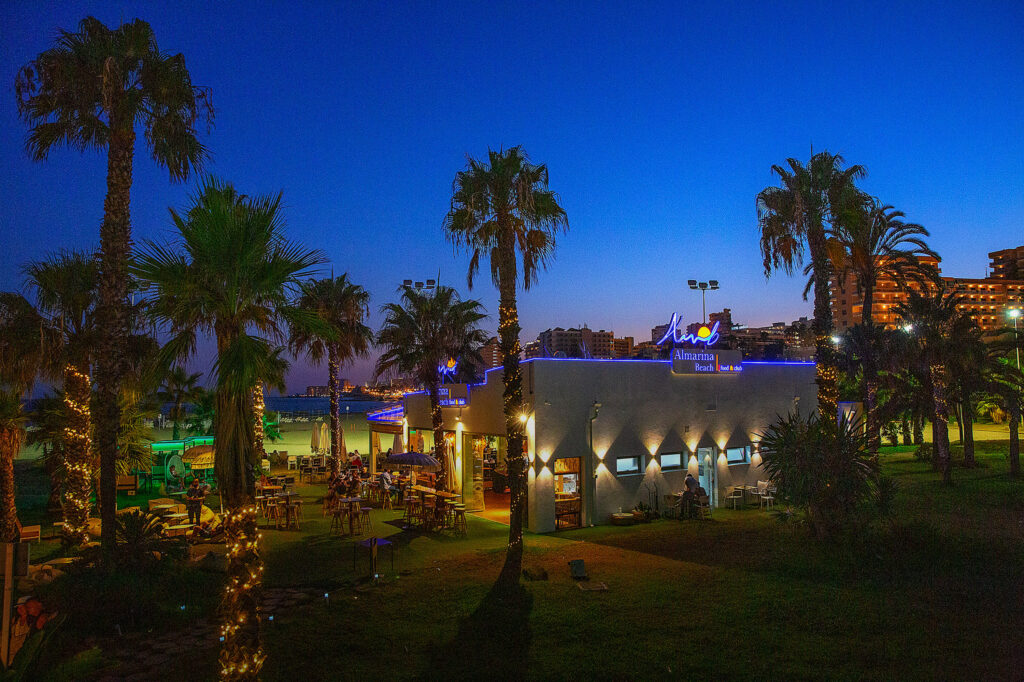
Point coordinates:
[[320, 405]]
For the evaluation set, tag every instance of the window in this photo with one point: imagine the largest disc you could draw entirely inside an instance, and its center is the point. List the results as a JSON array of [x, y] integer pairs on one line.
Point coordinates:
[[736, 455], [672, 461], [627, 465]]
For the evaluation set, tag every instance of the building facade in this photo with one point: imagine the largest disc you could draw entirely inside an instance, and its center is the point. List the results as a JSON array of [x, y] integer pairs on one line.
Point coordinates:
[[986, 299], [603, 435], [490, 353]]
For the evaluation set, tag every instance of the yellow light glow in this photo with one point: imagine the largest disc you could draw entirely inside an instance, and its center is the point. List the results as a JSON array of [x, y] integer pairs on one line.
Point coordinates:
[[545, 455], [523, 418]]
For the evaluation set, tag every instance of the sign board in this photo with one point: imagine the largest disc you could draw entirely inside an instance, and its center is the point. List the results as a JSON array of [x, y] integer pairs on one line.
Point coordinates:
[[454, 395], [706, 361]]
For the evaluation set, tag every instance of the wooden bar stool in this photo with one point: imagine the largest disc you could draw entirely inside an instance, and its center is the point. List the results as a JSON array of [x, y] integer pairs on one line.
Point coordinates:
[[459, 524], [365, 522]]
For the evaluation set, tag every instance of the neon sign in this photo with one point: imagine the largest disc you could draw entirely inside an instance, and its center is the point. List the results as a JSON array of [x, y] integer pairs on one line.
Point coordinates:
[[705, 335], [448, 368]]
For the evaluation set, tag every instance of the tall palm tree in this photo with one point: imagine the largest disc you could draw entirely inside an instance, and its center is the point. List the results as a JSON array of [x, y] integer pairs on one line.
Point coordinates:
[[199, 421], [25, 343], [93, 90], [66, 287], [934, 324], [179, 388], [418, 337], [502, 210], [796, 216], [230, 274], [870, 242], [342, 307]]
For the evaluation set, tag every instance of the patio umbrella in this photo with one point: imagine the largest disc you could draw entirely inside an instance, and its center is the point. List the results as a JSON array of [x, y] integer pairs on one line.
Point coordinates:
[[398, 446], [314, 439], [342, 451], [199, 457], [413, 459], [325, 437]]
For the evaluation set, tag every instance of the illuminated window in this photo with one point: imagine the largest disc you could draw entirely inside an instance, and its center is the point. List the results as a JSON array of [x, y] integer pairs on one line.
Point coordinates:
[[671, 461], [736, 455], [627, 465]]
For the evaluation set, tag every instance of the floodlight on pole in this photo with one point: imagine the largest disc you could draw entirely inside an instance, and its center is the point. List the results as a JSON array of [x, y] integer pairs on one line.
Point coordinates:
[[1014, 314], [704, 287]]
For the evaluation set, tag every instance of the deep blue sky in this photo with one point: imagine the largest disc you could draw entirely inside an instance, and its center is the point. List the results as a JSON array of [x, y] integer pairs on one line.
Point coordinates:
[[659, 123]]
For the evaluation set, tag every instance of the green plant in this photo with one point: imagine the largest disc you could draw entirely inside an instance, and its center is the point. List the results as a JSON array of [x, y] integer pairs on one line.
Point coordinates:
[[821, 466], [25, 662], [885, 492]]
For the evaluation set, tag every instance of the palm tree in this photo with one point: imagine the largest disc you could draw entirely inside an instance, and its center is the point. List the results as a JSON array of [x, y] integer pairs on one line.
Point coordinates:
[[199, 421], [419, 335], [230, 274], [341, 306], [870, 242], [93, 90], [934, 323], [796, 215], [25, 342], [179, 388], [46, 419], [66, 287], [503, 210]]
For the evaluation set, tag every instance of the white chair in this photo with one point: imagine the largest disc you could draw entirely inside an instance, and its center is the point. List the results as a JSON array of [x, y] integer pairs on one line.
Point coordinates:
[[265, 465], [293, 462]]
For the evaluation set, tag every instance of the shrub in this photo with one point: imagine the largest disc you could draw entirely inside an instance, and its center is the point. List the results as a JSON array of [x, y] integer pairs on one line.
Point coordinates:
[[924, 452], [822, 467]]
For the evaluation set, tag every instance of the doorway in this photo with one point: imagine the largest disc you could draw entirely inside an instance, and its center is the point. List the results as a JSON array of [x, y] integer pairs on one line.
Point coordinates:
[[568, 493], [706, 473]]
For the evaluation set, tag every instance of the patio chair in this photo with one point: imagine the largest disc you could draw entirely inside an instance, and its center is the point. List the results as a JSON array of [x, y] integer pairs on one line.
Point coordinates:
[[734, 495], [29, 533], [577, 570], [704, 507]]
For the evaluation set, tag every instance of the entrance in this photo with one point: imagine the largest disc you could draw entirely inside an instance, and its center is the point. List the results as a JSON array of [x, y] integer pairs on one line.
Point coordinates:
[[706, 473], [485, 476], [568, 493]]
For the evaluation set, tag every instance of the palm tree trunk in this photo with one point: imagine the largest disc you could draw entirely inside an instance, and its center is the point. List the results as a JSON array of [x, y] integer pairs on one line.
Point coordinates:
[[1014, 452], [437, 424], [78, 456], [10, 444], [871, 405], [508, 334], [241, 654], [869, 295], [257, 423], [940, 427], [332, 390], [905, 428], [111, 316], [967, 419], [918, 429], [824, 356]]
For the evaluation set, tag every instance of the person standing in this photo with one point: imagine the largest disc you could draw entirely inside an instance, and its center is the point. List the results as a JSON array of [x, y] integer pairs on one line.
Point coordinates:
[[194, 502]]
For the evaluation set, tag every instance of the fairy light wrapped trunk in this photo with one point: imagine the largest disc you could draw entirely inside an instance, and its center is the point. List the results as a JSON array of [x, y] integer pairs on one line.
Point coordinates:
[[258, 406], [242, 655], [78, 456], [332, 390], [508, 333]]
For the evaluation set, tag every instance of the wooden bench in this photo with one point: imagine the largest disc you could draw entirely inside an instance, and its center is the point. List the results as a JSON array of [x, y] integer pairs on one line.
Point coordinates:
[[29, 533], [128, 484]]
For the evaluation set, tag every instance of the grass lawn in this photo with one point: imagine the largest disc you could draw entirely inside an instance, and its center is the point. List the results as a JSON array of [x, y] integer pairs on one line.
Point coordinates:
[[934, 594]]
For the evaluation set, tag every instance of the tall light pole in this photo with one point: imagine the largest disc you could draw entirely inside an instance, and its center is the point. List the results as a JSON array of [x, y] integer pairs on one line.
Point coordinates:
[[419, 286], [1014, 314], [711, 284]]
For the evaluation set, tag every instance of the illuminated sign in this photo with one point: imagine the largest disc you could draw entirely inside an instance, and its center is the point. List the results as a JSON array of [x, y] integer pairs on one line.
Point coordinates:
[[448, 369], [706, 336], [453, 395], [693, 361]]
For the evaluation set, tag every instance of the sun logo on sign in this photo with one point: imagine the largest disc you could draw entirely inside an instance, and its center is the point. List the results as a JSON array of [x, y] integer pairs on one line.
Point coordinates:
[[449, 367]]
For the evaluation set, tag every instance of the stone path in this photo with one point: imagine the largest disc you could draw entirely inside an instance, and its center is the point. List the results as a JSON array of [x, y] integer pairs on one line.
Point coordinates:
[[145, 656]]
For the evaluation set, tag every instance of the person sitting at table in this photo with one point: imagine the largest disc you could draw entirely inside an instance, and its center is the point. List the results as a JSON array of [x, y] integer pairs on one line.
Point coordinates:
[[194, 501], [356, 462], [690, 483], [387, 482]]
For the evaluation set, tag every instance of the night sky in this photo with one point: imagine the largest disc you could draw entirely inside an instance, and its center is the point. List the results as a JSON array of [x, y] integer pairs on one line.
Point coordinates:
[[659, 123]]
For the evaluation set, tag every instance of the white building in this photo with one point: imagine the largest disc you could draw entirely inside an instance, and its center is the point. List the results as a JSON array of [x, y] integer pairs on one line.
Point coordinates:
[[607, 434]]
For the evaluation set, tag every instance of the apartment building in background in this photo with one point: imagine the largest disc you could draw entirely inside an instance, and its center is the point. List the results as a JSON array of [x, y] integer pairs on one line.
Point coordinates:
[[986, 299], [579, 343], [490, 353]]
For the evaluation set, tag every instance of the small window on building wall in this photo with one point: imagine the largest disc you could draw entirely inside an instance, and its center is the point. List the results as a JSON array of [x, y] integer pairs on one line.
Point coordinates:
[[627, 465], [736, 455], [672, 461]]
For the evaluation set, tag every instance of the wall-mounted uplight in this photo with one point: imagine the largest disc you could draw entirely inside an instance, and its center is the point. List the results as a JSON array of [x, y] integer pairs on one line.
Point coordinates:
[[523, 418], [545, 455]]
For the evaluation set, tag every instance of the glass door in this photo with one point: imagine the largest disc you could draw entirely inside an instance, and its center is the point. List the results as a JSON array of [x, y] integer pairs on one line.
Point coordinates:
[[568, 493], [706, 475]]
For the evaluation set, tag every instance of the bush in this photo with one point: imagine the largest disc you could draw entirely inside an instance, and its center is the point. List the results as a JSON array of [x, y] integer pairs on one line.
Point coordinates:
[[819, 466], [924, 452]]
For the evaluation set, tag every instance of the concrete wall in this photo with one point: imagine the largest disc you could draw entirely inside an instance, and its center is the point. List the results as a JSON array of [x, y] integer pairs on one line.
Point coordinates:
[[646, 411]]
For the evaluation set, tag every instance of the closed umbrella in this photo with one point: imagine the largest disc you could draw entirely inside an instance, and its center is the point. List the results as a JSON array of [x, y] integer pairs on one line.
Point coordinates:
[[399, 446], [342, 451], [325, 437], [314, 439]]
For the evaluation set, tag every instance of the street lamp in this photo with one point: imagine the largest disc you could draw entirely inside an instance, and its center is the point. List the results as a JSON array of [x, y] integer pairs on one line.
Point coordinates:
[[1014, 314], [711, 284]]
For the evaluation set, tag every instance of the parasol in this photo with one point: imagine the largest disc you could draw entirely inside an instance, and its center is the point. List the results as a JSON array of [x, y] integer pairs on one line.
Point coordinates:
[[398, 446], [413, 459], [199, 456], [314, 439], [325, 437]]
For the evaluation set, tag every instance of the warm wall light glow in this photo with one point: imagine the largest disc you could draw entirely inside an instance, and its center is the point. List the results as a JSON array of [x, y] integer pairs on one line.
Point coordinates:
[[522, 418], [545, 455]]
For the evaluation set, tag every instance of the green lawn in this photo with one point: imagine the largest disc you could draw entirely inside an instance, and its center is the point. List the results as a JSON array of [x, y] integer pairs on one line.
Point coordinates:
[[934, 594]]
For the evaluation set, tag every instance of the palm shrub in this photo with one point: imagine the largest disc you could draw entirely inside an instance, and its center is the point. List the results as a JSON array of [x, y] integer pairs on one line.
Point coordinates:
[[821, 466]]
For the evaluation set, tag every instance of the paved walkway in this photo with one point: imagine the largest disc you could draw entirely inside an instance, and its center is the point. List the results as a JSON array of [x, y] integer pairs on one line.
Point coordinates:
[[147, 657]]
